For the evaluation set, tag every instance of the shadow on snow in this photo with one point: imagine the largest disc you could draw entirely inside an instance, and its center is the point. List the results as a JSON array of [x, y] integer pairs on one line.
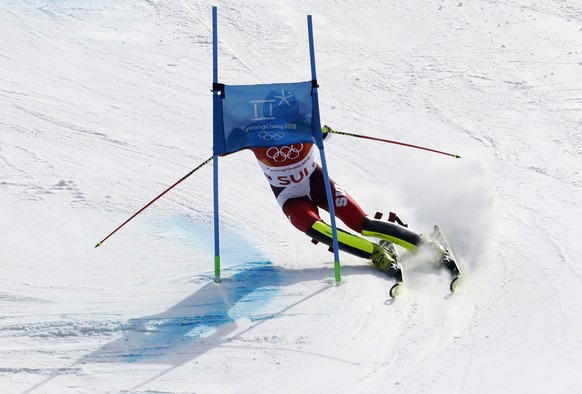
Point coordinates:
[[202, 321]]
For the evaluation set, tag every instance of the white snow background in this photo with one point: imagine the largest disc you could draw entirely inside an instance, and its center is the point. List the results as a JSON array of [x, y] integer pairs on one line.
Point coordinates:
[[104, 104]]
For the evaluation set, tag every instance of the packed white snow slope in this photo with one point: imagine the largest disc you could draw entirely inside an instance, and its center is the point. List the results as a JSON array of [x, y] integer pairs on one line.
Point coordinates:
[[106, 103]]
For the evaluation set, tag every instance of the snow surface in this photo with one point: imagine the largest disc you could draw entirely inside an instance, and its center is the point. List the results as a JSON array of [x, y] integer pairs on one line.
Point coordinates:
[[104, 104]]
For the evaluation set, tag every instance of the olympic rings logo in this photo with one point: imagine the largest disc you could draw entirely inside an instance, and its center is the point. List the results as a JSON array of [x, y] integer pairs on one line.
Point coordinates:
[[271, 135], [279, 155]]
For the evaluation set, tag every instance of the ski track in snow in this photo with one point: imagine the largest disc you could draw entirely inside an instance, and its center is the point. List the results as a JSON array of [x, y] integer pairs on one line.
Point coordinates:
[[105, 104]]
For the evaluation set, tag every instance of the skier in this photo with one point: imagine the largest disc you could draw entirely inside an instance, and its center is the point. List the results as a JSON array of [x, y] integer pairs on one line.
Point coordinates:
[[298, 184]]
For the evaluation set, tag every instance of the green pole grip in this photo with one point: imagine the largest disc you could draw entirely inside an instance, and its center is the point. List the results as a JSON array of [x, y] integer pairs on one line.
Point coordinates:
[[217, 269]]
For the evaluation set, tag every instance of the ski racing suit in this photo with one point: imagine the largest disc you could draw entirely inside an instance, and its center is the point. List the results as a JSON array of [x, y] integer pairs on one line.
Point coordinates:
[[298, 184]]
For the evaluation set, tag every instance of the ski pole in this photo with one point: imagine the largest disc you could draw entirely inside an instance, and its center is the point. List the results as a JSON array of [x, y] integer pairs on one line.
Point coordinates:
[[155, 199], [327, 129]]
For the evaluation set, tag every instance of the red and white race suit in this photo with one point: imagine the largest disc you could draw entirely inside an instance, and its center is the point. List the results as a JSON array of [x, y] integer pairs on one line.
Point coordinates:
[[297, 181], [288, 168]]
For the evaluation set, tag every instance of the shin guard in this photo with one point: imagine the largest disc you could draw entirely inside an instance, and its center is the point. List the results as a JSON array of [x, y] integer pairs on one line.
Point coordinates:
[[347, 242], [391, 232]]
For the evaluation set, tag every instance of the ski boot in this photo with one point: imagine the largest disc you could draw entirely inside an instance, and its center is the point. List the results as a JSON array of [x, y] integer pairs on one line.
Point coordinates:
[[383, 260]]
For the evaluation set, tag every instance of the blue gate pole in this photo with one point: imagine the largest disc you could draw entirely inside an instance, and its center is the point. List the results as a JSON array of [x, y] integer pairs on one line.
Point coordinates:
[[317, 124], [216, 114]]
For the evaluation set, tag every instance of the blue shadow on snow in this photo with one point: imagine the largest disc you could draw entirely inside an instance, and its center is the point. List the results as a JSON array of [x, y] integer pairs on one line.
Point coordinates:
[[204, 318]]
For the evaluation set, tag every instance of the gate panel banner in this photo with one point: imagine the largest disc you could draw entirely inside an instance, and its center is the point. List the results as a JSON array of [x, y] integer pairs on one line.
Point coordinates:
[[264, 115]]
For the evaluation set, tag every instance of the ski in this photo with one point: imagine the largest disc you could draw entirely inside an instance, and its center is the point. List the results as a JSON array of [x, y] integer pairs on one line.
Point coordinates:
[[396, 287], [391, 250], [449, 261]]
